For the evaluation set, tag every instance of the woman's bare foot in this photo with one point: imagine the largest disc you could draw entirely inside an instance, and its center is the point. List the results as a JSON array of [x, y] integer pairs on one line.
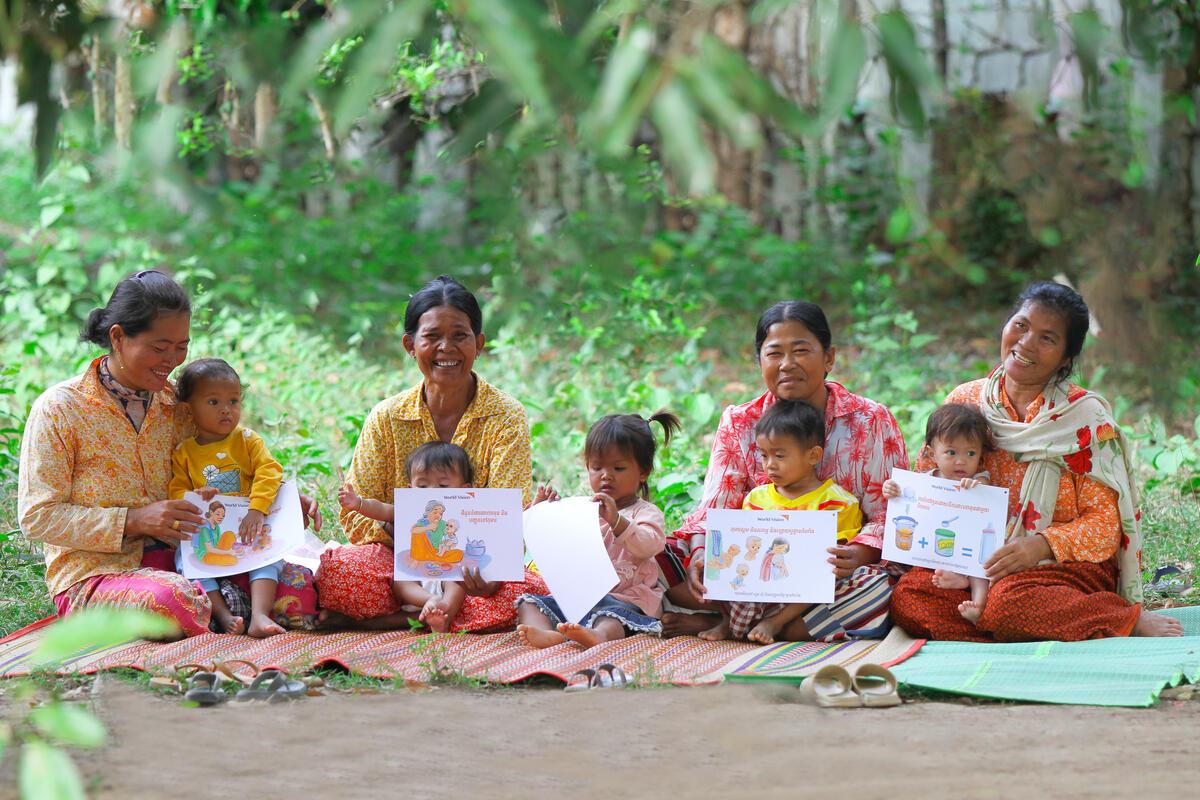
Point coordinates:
[[945, 579], [262, 626], [675, 624], [539, 637], [573, 631], [717, 633], [1151, 624], [229, 623], [764, 632], [971, 611]]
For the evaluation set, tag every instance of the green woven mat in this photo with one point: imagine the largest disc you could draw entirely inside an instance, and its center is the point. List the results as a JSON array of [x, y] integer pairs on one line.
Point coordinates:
[[1101, 672]]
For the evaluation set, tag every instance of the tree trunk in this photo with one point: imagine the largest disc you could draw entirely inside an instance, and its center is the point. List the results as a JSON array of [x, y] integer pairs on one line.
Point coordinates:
[[124, 102], [266, 108], [326, 123], [99, 93]]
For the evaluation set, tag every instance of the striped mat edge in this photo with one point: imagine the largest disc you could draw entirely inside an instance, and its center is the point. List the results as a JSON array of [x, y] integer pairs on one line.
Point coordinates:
[[493, 658]]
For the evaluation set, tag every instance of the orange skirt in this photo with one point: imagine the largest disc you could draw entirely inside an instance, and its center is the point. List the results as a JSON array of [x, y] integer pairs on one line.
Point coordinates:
[[356, 580], [1065, 602]]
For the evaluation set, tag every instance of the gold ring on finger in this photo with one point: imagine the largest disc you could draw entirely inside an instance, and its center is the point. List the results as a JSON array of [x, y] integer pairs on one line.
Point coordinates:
[[175, 524]]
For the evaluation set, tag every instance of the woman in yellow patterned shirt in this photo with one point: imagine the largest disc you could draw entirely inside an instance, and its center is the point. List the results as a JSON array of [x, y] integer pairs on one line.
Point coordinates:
[[443, 332], [96, 463]]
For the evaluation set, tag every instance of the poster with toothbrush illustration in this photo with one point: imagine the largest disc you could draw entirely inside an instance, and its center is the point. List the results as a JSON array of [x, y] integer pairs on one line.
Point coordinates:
[[769, 556], [935, 523], [218, 549], [440, 532]]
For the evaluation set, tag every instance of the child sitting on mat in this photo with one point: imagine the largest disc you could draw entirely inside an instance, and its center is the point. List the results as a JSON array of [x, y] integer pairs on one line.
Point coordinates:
[[433, 465], [619, 453], [956, 436], [791, 438], [225, 458]]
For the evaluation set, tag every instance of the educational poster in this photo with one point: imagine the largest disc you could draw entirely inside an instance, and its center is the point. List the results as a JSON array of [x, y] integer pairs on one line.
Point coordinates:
[[440, 532], [217, 549], [565, 541], [936, 523], [769, 556]]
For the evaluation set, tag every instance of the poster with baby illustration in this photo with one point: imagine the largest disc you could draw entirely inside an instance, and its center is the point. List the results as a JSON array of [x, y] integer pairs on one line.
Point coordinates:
[[221, 547], [936, 523], [441, 532], [769, 556]]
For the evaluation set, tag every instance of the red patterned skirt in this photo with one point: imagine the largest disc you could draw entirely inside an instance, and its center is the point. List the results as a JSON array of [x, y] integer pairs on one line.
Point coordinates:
[[1066, 602], [356, 580]]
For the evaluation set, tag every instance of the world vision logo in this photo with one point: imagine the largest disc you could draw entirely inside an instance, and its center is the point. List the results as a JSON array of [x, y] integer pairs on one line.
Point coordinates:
[[785, 517], [472, 495]]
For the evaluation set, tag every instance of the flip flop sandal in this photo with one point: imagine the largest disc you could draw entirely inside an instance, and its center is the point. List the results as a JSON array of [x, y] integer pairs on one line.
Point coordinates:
[[1168, 580], [203, 691], [581, 681], [830, 687], [177, 676], [273, 686], [226, 671], [617, 679], [876, 686]]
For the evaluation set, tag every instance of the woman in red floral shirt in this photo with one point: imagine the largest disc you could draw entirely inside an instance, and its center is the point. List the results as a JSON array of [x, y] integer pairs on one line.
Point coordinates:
[[1071, 565], [795, 354]]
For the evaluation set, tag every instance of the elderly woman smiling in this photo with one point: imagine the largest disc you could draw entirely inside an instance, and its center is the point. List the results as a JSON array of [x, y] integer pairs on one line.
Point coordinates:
[[443, 333], [1070, 568]]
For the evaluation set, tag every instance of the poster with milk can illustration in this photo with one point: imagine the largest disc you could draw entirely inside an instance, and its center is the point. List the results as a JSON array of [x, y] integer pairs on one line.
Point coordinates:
[[935, 523]]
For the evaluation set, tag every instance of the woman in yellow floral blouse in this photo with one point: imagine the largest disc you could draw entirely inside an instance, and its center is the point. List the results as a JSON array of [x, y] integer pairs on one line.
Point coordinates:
[[96, 463], [443, 332]]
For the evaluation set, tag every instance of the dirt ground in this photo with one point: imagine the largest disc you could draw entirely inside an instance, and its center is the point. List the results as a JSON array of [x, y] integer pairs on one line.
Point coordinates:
[[723, 741]]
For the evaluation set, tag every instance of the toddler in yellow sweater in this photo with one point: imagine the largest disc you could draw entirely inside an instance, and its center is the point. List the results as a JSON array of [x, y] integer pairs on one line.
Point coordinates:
[[225, 458]]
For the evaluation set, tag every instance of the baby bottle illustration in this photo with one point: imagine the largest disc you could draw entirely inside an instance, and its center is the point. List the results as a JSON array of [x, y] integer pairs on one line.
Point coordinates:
[[987, 543]]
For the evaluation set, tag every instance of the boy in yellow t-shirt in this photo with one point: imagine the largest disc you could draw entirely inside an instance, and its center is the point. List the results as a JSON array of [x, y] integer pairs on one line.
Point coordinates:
[[225, 458], [791, 439]]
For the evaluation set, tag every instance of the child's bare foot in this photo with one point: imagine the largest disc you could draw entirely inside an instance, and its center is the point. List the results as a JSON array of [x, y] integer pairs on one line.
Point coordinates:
[[573, 631], [675, 624], [229, 623], [763, 633], [945, 579], [262, 626], [437, 620], [970, 610], [1151, 624], [539, 637], [716, 633]]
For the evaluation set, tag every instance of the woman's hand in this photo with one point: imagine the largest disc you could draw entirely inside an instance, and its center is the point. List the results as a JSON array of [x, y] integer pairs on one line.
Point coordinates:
[[476, 586], [695, 578], [848, 557], [608, 507], [166, 520], [891, 489], [1017, 555], [311, 510]]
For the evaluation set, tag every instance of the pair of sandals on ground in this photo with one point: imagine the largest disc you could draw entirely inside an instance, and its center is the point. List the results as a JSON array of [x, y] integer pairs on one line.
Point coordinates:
[[200, 684], [832, 686]]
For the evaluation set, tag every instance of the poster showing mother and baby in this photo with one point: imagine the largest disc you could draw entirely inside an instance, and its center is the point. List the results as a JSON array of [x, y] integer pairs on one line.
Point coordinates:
[[441, 532]]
